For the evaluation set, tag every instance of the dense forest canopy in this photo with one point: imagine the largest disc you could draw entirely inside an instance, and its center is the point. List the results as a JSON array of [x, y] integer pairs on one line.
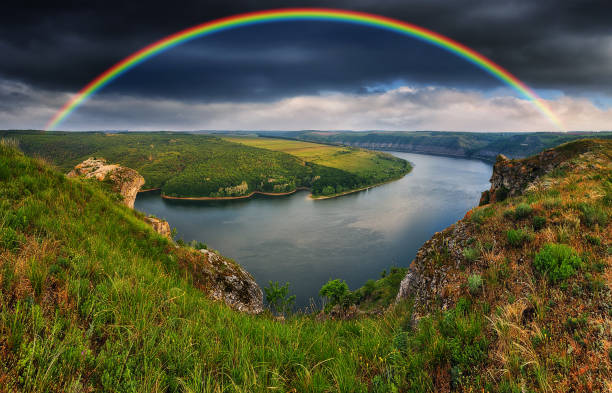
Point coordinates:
[[195, 165]]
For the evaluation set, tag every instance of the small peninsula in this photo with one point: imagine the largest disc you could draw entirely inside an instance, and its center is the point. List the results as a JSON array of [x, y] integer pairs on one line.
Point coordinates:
[[207, 167]]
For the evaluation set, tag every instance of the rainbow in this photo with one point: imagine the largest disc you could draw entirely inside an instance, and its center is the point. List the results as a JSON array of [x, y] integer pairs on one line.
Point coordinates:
[[318, 14]]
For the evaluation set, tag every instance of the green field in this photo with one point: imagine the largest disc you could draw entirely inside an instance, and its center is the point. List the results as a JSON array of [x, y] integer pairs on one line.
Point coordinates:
[[358, 161], [369, 166], [192, 165]]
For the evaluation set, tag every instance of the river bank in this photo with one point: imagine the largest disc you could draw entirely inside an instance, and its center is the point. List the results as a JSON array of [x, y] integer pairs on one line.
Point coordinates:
[[273, 194], [235, 197]]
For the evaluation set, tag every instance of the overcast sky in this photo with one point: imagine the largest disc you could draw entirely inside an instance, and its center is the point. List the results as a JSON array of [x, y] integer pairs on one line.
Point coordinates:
[[308, 75]]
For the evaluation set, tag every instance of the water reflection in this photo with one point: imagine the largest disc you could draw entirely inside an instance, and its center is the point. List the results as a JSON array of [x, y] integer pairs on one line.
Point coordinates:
[[354, 237]]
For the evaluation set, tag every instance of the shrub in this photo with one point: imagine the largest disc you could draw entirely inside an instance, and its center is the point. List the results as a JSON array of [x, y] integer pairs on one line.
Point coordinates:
[[368, 288], [474, 283], [552, 203], [278, 297], [480, 215], [471, 254], [557, 261], [523, 210], [538, 222], [572, 324], [516, 237], [509, 213], [594, 240], [593, 215], [336, 292]]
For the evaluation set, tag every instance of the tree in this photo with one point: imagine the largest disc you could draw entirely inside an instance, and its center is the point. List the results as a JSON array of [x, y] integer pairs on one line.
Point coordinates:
[[337, 292], [278, 299]]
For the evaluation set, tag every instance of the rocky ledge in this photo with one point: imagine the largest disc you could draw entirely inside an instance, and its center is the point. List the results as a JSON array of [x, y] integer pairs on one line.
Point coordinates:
[[430, 282], [124, 181], [160, 226], [512, 177], [234, 285]]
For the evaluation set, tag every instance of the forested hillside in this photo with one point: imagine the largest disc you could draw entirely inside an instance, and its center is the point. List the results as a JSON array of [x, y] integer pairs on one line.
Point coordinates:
[[485, 146], [189, 165]]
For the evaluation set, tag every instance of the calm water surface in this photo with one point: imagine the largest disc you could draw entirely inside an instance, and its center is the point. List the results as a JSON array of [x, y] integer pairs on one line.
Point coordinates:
[[354, 237]]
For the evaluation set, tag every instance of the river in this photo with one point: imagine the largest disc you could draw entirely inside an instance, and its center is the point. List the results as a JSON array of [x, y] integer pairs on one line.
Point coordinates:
[[354, 237]]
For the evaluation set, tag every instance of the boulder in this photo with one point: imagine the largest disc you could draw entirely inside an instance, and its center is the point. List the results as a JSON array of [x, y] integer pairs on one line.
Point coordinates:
[[125, 181], [230, 283], [160, 226]]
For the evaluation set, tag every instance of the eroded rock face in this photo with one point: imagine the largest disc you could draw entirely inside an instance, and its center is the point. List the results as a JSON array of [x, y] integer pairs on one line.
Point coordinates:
[[232, 284], [125, 181], [427, 282], [431, 283], [160, 226], [513, 177]]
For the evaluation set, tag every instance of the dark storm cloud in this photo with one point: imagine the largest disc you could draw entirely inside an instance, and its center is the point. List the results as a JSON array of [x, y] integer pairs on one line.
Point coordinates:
[[564, 45]]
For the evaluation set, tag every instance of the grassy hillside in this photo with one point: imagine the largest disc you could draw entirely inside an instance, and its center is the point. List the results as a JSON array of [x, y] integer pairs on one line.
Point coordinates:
[[92, 300], [187, 165]]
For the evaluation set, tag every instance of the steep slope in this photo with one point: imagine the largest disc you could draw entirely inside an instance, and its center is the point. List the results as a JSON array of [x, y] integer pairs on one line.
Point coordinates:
[[537, 264]]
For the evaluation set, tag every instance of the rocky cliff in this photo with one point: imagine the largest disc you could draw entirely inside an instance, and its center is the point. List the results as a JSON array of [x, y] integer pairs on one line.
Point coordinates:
[[124, 181], [232, 284], [512, 177], [480, 242]]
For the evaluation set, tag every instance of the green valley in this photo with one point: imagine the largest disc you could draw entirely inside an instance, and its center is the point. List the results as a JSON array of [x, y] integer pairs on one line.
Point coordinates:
[[193, 165], [515, 297]]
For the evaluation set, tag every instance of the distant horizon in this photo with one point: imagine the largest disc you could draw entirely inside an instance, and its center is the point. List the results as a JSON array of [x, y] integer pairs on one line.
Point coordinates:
[[316, 130]]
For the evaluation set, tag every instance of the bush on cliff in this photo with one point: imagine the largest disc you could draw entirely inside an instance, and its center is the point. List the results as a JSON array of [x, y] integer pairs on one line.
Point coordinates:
[[557, 261]]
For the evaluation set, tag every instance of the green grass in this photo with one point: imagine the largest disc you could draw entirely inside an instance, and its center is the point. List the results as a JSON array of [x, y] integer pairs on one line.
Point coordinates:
[[557, 262], [518, 237], [93, 299], [593, 215]]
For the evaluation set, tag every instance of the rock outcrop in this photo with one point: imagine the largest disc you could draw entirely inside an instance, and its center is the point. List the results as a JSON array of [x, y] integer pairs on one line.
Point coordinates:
[[124, 181], [427, 281], [227, 281], [513, 177], [160, 226]]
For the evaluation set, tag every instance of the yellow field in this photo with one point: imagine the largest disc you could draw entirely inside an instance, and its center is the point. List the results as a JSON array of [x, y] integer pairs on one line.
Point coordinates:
[[352, 160]]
